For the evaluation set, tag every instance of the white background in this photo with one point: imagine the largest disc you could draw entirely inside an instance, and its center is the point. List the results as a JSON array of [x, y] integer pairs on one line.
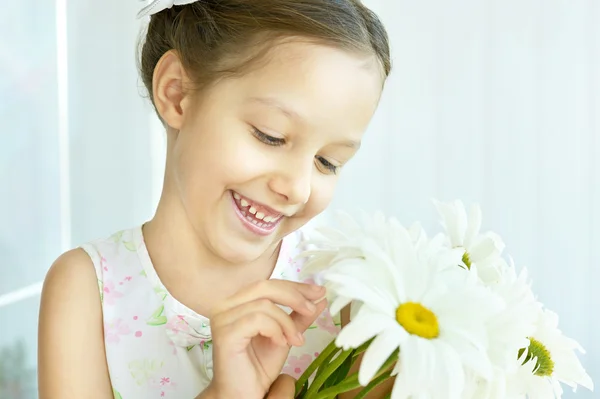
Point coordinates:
[[496, 102]]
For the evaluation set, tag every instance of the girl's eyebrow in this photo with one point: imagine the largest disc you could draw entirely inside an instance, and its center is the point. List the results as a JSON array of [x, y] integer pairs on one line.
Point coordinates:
[[355, 145], [280, 106], [291, 113]]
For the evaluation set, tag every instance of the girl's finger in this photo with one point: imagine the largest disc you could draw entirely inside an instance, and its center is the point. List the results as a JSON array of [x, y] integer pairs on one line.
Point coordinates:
[[237, 335], [302, 321], [266, 307], [299, 297]]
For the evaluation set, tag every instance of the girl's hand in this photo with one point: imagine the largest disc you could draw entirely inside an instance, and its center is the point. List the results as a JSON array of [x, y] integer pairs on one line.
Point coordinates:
[[284, 387], [252, 335]]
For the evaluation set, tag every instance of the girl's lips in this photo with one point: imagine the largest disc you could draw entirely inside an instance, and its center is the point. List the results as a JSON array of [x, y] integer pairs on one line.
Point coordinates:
[[256, 222], [255, 207]]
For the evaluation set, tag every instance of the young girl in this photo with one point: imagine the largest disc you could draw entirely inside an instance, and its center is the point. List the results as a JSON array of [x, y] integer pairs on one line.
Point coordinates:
[[264, 102]]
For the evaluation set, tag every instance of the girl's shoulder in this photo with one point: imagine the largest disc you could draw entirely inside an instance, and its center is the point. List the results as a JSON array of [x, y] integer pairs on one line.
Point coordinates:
[[117, 257], [121, 242]]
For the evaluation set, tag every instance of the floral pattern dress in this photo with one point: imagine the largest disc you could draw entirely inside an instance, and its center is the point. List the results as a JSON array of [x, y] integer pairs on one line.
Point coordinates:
[[156, 347]]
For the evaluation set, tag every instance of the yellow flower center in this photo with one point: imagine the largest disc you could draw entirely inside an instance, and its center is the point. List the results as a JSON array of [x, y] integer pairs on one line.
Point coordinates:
[[418, 320], [467, 260], [545, 365]]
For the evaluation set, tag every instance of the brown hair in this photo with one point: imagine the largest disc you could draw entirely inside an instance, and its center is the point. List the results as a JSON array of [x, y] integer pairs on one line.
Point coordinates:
[[206, 33]]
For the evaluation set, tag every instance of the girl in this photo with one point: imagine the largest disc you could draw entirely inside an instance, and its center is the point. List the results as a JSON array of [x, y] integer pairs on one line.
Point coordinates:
[[264, 102]]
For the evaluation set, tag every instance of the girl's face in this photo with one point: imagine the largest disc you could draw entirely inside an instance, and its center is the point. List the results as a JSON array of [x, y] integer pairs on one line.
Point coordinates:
[[258, 156]]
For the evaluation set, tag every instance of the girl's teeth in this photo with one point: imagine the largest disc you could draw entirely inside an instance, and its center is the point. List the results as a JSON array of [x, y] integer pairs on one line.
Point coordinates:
[[258, 216]]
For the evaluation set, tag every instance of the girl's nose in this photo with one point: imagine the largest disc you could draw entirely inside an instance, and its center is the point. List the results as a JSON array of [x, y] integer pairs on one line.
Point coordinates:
[[293, 182]]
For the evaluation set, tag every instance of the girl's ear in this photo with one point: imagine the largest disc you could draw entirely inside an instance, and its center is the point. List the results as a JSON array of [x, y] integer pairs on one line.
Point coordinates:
[[168, 84]]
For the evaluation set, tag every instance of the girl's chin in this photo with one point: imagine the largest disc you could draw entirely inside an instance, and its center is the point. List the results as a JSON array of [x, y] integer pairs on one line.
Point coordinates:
[[243, 252]]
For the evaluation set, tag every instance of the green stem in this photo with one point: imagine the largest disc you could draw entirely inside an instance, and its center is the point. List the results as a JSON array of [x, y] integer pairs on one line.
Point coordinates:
[[352, 383], [348, 384], [321, 378], [374, 383], [325, 362], [330, 349], [361, 348]]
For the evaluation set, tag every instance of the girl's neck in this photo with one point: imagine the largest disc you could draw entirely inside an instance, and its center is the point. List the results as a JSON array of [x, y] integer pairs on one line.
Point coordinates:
[[193, 274]]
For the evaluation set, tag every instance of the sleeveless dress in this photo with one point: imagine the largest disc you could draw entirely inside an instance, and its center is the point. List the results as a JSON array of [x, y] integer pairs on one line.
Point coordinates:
[[156, 347]]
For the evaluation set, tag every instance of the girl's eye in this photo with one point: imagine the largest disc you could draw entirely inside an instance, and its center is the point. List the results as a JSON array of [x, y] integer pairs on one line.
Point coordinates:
[[268, 140], [328, 165]]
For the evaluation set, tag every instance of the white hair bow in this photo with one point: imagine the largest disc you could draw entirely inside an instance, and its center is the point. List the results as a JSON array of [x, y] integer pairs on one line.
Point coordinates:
[[159, 5]]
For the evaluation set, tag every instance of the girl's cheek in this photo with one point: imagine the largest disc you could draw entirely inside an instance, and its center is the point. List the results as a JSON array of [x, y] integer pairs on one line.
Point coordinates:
[[321, 196]]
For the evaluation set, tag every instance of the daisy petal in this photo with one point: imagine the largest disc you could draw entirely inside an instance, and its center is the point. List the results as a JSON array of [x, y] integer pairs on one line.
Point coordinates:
[[454, 220], [364, 326], [355, 289], [455, 381], [347, 222], [338, 304], [400, 390], [378, 352], [362, 270], [413, 362], [474, 225], [482, 249]]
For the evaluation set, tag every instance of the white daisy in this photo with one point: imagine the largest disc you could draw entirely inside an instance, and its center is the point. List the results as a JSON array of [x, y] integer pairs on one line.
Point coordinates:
[[507, 332], [414, 298], [464, 232], [549, 360], [328, 246], [509, 329]]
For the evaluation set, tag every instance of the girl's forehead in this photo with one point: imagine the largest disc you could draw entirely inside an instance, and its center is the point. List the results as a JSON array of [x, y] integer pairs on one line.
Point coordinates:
[[301, 59], [310, 83]]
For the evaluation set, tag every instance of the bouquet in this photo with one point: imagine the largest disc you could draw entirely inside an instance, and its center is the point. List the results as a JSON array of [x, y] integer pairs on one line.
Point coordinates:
[[441, 317]]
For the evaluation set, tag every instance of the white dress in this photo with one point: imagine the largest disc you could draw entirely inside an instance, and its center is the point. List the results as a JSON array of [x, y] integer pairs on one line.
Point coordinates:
[[155, 346]]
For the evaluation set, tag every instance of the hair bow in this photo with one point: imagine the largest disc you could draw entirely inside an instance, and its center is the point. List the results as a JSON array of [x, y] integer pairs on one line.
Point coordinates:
[[159, 5]]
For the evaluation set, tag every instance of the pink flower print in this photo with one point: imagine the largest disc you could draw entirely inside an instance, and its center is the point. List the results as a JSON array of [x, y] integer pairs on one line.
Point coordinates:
[[126, 279], [103, 263], [325, 322], [163, 384], [172, 344], [110, 293], [177, 324], [114, 329], [297, 365]]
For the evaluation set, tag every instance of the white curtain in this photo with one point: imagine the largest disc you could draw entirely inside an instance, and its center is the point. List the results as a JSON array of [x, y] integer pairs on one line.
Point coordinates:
[[490, 102], [497, 102], [78, 152]]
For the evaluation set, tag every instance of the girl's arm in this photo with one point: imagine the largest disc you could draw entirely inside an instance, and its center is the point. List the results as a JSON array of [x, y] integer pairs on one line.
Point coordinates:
[[71, 357]]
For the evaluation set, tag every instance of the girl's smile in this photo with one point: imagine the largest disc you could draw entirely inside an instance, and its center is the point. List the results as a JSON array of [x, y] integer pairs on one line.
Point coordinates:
[[256, 217]]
